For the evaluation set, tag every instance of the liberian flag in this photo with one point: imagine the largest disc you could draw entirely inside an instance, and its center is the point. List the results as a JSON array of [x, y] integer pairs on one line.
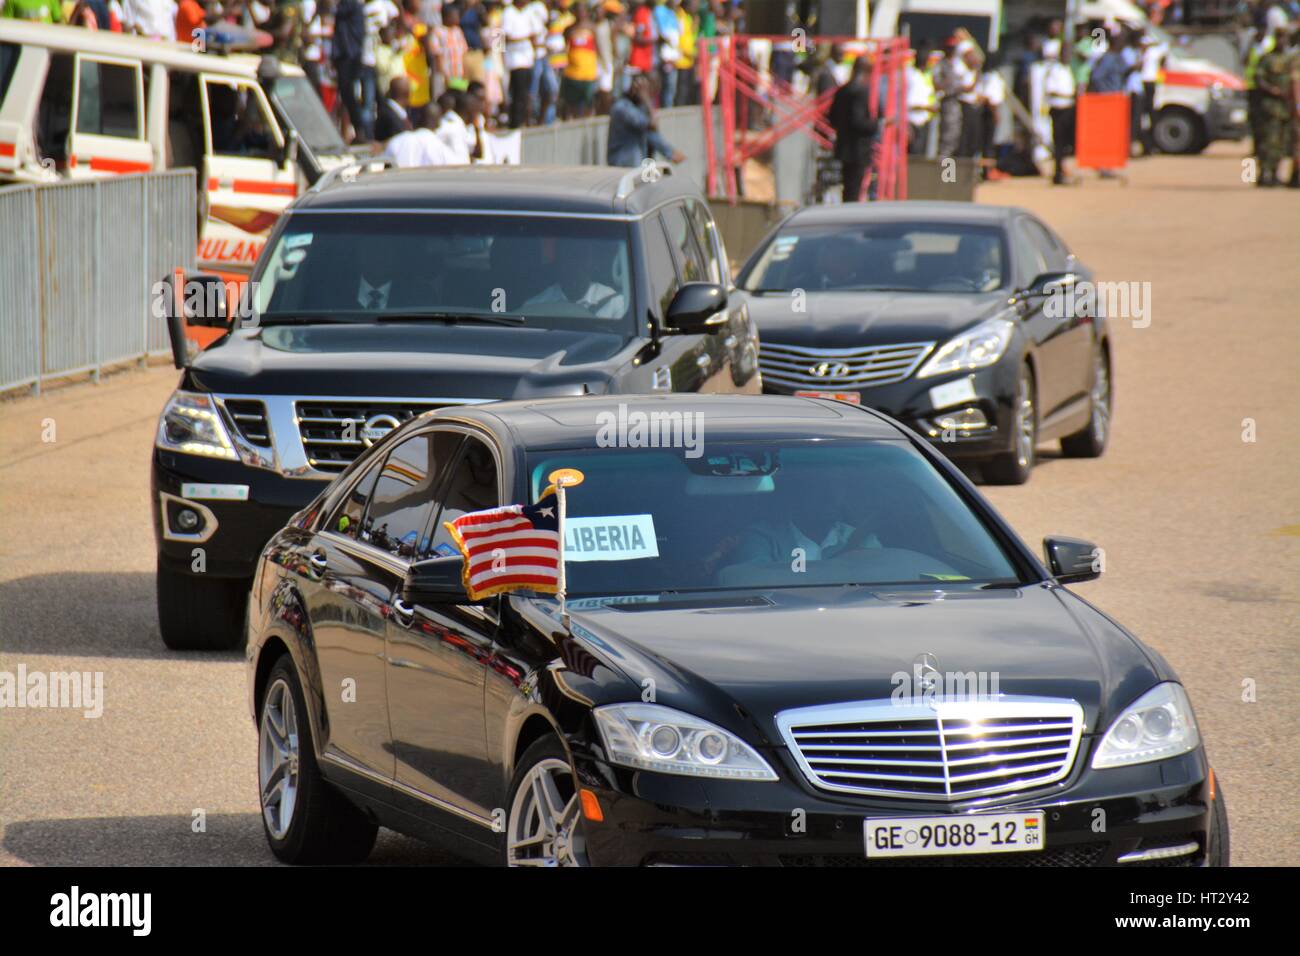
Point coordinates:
[[511, 548]]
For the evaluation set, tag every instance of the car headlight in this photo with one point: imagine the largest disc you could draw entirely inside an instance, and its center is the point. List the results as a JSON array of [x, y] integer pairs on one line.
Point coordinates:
[[190, 423], [978, 347], [651, 737], [1156, 726]]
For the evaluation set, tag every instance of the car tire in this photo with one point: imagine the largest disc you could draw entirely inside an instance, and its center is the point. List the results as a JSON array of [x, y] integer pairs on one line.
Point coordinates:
[[1015, 467], [1219, 851], [200, 614], [551, 835], [1178, 131], [1091, 441], [304, 818]]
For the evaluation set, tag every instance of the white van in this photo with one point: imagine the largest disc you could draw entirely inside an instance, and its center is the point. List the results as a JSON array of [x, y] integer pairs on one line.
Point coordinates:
[[78, 104]]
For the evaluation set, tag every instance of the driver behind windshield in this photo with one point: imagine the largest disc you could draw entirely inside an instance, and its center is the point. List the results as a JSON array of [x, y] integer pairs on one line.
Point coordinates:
[[576, 286], [810, 527]]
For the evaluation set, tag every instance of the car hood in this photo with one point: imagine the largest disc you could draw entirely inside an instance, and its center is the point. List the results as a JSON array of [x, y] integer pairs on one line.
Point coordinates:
[[757, 654], [847, 319], [410, 360]]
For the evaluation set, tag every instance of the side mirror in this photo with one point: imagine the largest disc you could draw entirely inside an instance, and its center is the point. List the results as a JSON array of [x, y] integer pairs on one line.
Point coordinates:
[[1051, 283], [193, 298], [436, 581], [1072, 560], [698, 307], [289, 152]]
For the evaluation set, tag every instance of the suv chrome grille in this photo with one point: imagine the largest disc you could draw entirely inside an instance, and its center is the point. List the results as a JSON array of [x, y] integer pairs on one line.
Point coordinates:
[[797, 367], [953, 750], [249, 416], [335, 431]]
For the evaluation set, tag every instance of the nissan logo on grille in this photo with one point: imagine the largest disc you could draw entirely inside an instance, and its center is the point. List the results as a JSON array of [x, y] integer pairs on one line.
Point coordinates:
[[829, 370], [376, 427]]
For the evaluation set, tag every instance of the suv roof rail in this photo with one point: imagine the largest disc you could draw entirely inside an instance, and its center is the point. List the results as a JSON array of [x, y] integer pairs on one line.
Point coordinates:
[[647, 172], [347, 172]]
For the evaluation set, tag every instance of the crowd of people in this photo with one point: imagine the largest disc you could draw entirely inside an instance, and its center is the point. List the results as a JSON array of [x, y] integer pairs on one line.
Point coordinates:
[[424, 79], [527, 62]]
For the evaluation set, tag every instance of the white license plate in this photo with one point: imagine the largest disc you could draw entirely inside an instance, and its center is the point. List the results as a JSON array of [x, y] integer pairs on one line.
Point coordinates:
[[196, 491], [851, 397], [953, 393], [1237, 116], [955, 835]]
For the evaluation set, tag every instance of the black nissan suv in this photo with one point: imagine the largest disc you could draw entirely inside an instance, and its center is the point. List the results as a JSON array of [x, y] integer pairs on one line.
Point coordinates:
[[383, 294]]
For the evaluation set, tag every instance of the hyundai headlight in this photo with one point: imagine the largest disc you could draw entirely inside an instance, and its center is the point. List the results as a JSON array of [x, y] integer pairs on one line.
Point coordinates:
[[191, 424], [1156, 726], [651, 737], [978, 347]]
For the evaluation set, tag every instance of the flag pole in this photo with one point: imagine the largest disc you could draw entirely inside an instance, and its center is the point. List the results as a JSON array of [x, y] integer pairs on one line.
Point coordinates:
[[560, 581]]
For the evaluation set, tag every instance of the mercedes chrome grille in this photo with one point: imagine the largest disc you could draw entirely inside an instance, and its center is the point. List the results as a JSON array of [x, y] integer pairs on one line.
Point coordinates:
[[944, 750]]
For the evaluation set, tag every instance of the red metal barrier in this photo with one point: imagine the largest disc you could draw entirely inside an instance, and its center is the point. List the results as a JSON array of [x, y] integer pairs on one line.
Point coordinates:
[[740, 85]]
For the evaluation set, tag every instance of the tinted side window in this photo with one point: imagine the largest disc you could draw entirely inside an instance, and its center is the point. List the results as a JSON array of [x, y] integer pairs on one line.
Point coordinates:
[[107, 100], [659, 261], [702, 227], [1030, 261], [1051, 252], [8, 63], [399, 514], [472, 487], [347, 519], [682, 239], [54, 118]]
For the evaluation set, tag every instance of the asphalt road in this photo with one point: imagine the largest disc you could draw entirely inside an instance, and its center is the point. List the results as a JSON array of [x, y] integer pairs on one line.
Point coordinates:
[[1201, 531]]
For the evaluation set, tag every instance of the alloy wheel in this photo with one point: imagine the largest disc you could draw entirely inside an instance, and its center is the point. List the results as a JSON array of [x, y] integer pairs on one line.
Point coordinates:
[[277, 759], [544, 825], [1100, 401], [1026, 427]]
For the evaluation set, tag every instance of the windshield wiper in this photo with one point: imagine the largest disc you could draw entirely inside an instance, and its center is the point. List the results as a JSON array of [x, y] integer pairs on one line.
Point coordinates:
[[303, 318], [450, 317]]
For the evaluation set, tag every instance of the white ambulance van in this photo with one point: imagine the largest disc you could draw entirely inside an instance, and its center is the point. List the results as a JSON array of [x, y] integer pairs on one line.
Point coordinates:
[[78, 104]]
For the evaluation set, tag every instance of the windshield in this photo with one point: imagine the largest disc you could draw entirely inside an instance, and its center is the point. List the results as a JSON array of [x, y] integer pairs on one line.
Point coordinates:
[[766, 515], [547, 272], [890, 256], [307, 115]]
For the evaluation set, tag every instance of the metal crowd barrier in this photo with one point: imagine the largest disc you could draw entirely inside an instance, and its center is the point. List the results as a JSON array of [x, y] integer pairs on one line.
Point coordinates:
[[77, 263], [582, 142]]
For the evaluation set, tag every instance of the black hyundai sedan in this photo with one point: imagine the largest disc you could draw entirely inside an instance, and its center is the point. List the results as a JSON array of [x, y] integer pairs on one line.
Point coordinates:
[[792, 634], [973, 324]]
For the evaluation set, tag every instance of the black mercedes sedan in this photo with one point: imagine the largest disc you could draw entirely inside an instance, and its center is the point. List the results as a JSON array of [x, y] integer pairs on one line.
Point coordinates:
[[973, 324], [792, 634]]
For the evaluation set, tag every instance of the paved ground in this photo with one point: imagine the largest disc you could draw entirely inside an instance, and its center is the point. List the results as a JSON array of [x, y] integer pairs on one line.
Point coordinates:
[[1201, 531]]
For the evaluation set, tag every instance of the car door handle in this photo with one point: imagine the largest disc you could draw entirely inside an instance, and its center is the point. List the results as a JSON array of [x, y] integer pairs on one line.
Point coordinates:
[[318, 561]]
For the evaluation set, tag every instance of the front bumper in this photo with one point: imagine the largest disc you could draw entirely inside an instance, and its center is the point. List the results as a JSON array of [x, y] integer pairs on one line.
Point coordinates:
[[1097, 818], [233, 532], [911, 403], [1227, 117]]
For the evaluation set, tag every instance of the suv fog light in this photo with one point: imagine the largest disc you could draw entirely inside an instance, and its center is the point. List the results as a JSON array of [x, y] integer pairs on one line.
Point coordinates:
[[187, 519], [964, 419]]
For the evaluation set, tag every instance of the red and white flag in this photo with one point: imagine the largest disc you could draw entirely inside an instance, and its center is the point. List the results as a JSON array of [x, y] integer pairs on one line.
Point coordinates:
[[510, 549]]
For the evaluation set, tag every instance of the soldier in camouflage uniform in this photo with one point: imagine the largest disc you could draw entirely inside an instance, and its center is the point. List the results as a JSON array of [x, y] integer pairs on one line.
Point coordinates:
[[1277, 108]]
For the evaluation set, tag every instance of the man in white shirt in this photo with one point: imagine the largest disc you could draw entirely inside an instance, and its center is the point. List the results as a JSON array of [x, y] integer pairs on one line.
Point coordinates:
[[922, 105], [518, 28], [1153, 56], [453, 132], [1058, 91], [150, 18], [420, 147], [577, 290]]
